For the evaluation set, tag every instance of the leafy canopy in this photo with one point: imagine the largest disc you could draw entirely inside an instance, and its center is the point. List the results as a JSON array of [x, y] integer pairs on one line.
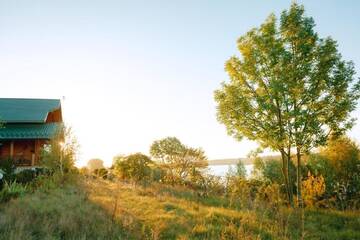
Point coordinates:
[[134, 166], [179, 160], [289, 87]]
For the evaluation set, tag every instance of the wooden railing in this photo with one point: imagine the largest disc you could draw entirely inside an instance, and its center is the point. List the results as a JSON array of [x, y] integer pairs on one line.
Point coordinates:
[[18, 161], [22, 162]]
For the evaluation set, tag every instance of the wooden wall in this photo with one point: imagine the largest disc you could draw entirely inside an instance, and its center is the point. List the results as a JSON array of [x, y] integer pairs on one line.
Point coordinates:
[[55, 116], [25, 152]]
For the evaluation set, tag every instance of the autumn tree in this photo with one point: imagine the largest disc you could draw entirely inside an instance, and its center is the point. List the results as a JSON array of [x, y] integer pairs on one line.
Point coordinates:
[[289, 90], [343, 156], [179, 160]]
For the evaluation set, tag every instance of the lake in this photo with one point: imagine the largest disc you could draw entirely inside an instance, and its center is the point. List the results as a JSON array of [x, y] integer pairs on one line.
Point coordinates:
[[221, 170]]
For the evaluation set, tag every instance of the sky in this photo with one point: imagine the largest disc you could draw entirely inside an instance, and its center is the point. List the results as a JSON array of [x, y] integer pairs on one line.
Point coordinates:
[[131, 72]]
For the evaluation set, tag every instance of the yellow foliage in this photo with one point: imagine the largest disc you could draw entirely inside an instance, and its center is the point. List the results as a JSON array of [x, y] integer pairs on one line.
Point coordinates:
[[341, 150], [313, 188]]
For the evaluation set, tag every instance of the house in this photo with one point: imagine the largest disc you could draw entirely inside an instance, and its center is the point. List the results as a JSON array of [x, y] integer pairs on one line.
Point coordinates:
[[27, 125]]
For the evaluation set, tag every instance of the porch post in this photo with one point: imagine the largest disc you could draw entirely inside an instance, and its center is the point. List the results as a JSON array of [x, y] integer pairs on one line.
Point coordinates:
[[11, 149], [33, 155]]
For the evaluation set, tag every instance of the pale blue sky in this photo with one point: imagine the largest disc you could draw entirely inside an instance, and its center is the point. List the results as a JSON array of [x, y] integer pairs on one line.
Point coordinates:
[[136, 71]]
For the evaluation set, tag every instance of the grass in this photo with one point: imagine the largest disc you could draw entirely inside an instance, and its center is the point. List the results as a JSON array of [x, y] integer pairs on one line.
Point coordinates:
[[86, 208], [61, 212], [178, 213]]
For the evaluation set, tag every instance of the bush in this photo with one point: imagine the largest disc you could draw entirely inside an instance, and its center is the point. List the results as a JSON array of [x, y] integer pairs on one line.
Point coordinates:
[[318, 165], [135, 167], [157, 173], [339, 164], [1, 178], [313, 187], [271, 171], [269, 195], [242, 192], [8, 168], [101, 172]]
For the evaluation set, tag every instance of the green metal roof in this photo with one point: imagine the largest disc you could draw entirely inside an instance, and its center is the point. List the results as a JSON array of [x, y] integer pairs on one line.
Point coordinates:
[[26, 110], [30, 131]]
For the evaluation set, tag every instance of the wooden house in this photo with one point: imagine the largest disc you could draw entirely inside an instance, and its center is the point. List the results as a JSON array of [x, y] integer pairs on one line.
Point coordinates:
[[26, 126]]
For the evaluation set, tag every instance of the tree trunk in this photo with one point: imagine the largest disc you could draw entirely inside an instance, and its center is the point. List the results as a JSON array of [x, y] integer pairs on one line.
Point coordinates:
[[285, 171], [299, 197], [290, 181]]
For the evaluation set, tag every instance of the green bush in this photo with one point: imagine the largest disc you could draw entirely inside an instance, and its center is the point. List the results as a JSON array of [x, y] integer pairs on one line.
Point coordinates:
[[25, 176], [101, 172], [135, 167], [271, 171], [8, 167], [318, 165], [2, 173]]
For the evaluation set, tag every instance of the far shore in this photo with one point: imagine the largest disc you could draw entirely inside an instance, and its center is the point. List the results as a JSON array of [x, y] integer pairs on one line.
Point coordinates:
[[233, 161]]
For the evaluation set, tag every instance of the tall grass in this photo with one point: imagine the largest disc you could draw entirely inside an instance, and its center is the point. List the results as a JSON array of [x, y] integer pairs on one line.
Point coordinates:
[[56, 211], [87, 208], [167, 212]]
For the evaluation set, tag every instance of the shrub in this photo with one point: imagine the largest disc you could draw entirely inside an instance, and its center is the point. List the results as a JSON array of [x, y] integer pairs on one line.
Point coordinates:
[[269, 195], [2, 173], [8, 168], [339, 163], [242, 192], [312, 189], [101, 172], [157, 173], [318, 165], [271, 171]]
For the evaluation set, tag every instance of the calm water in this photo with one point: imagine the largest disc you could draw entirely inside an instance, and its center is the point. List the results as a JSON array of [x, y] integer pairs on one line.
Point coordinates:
[[221, 170]]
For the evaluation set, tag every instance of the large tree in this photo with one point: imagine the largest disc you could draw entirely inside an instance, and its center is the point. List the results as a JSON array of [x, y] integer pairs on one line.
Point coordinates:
[[289, 90]]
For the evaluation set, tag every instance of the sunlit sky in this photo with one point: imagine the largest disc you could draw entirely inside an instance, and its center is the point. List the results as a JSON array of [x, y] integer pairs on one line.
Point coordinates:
[[135, 71]]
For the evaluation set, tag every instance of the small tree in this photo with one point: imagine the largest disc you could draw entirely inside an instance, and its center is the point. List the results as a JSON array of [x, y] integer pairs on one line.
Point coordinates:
[[60, 154], [135, 167], [94, 164], [289, 91], [179, 160], [238, 171]]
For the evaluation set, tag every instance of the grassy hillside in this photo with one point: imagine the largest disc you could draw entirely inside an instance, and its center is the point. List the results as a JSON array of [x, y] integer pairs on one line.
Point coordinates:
[[86, 208]]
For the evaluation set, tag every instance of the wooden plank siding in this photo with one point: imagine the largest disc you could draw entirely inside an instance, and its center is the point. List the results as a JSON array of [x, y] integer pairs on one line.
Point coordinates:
[[25, 152]]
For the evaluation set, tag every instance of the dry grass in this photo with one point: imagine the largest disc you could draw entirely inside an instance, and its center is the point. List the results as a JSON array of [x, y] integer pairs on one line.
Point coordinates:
[[98, 209], [164, 216]]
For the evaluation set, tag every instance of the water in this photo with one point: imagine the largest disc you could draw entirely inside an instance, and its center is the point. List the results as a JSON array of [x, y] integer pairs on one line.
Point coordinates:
[[221, 170]]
